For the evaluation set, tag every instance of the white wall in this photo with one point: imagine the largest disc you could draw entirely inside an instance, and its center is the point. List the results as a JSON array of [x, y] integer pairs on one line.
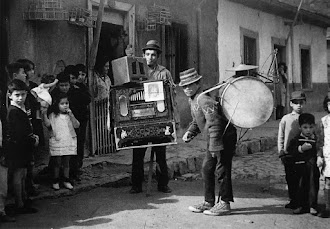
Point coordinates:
[[232, 16]]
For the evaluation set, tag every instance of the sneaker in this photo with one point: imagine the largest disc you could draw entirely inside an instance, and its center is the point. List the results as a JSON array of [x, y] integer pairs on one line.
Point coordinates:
[[56, 186], [220, 208], [198, 208], [68, 185], [313, 211], [7, 219], [164, 189]]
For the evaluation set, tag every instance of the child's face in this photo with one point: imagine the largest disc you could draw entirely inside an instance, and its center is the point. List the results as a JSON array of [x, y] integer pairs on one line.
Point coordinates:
[[297, 105], [191, 89], [18, 97], [64, 86], [30, 73], [81, 77], [307, 129], [20, 75], [73, 79], [63, 105]]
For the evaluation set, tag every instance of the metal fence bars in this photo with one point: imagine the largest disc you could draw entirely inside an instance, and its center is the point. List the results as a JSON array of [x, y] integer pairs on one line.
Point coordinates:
[[104, 143]]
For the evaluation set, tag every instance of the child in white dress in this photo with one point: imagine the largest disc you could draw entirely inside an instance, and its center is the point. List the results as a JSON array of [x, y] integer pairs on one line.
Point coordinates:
[[323, 160], [63, 139]]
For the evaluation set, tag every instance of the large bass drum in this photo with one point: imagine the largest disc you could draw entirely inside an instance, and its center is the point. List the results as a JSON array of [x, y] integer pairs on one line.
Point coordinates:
[[246, 101]]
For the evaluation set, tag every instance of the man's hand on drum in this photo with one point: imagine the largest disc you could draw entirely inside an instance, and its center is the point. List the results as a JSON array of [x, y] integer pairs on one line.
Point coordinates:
[[187, 137]]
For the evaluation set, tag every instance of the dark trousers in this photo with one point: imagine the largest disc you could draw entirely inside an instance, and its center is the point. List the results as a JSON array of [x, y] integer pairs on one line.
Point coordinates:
[[138, 164], [308, 184], [291, 180], [76, 162], [220, 168]]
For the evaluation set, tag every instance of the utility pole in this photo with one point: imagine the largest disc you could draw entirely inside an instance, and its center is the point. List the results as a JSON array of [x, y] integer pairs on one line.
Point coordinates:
[[91, 63]]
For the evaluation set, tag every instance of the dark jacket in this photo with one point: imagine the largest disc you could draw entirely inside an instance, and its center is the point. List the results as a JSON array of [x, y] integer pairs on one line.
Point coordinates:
[[19, 140], [293, 149]]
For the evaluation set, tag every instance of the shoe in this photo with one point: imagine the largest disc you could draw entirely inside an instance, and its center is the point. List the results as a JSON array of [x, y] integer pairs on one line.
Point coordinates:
[[33, 192], [313, 211], [7, 219], [135, 190], [56, 186], [68, 185], [220, 208], [28, 202], [26, 210], [199, 208], [301, 210], [324, 214], [290, 205], [164, 189]]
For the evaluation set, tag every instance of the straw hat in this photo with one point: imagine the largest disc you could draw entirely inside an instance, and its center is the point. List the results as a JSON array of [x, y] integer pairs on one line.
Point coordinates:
[[242, 67], [153, 45], [188, 77]]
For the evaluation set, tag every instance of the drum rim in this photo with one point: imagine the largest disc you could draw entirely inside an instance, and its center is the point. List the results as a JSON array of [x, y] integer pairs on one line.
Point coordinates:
[[226, 86]]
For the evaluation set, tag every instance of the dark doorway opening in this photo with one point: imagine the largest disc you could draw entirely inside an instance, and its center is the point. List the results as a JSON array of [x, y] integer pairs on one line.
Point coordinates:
[[280, 88], [4, 11], [306, 81], [112, 44]]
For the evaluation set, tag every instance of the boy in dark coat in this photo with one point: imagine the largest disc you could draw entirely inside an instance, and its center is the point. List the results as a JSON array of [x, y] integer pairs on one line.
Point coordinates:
[[20, 142], [303, 151]]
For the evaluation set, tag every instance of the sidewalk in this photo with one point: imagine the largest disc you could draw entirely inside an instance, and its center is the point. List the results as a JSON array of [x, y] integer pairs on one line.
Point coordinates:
[[256, 158]]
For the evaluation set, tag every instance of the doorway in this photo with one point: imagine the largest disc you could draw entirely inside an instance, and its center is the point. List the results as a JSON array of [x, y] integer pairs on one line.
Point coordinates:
[[280, 94], [112, 44]]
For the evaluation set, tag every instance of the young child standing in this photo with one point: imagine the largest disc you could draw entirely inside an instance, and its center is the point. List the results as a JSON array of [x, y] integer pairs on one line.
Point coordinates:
[[63, 139], [79, 98], [303, 150], [3, 173], [21, 142], [323, 161], [288, 129]]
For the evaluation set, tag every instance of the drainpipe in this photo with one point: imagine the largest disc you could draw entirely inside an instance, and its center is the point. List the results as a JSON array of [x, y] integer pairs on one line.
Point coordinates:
[[199, 29]]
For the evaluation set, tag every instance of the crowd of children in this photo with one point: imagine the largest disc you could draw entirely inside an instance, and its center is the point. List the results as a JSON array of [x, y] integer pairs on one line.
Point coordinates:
[[304, 151], [60, 103]]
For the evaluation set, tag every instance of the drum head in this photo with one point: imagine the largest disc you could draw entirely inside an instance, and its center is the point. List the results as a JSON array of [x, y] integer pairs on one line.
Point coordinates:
[[247, 102]]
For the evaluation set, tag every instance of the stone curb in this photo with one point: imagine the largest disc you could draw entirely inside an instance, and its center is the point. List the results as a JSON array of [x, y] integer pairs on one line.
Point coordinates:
[[178, 167]]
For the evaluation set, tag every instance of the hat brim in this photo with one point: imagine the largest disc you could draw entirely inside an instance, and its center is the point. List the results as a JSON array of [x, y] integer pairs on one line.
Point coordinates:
[[151, 48], [300, 98], [190, 82]]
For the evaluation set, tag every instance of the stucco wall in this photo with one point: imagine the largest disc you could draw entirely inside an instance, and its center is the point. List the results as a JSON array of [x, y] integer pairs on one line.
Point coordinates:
[[45, 42], [233, 16]]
